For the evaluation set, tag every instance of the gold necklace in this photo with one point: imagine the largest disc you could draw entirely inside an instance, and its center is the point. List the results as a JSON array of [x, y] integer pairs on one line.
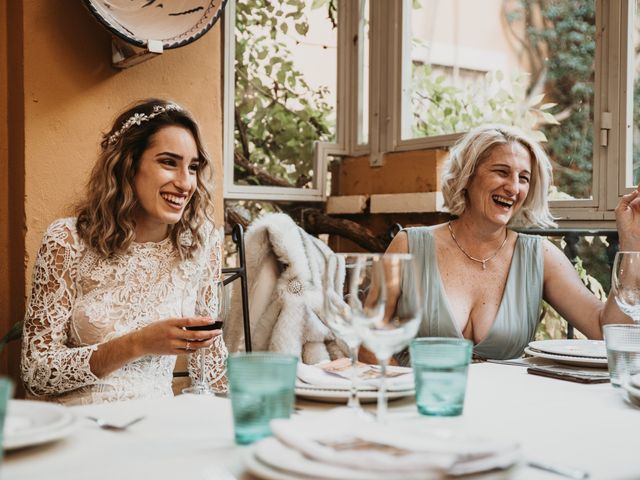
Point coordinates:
[[478, 260]]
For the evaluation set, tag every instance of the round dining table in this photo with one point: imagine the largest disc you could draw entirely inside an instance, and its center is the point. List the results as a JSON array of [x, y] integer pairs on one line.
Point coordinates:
[[588, 427]]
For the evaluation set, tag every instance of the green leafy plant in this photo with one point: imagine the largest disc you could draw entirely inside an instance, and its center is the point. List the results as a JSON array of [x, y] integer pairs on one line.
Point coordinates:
[[440, 108], [557, 40], [278, 115]]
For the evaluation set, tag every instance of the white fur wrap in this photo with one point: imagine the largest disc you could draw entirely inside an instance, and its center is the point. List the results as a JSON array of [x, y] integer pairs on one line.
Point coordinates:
[[285, 268]]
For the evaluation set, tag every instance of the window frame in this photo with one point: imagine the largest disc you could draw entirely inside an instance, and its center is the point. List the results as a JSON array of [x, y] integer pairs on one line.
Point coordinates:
[[611, 79], [612, 122], [323, 150]]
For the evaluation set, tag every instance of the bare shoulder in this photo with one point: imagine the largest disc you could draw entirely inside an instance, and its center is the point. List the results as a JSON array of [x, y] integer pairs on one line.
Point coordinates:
[[441, 231], [551, 252], [399, 244]]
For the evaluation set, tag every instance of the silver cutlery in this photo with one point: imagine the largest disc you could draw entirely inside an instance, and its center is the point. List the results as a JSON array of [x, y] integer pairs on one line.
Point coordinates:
[[568, 472], [515, 362], [102, 423]]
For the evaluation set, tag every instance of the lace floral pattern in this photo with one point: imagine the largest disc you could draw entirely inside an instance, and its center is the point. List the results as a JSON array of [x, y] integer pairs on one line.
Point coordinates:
[[80, 299]]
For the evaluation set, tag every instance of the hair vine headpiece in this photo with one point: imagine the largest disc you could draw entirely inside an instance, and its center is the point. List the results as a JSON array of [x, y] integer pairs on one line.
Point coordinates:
[[138, 118]]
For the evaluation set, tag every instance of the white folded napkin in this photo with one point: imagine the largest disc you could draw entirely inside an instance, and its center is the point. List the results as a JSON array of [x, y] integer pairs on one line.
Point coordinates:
[[342, 439], [336, 375]]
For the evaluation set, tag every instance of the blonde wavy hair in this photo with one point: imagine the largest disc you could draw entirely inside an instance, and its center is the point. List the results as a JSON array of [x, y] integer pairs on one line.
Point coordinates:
[[106, 214], [477, 145]]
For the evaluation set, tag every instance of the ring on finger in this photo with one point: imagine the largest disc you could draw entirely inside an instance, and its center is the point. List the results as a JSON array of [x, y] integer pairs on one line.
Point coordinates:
[[188, 347]]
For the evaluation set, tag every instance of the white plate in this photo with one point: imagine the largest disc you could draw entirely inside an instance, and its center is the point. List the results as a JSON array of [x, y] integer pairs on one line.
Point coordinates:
[[320, 394], [265, 472], [32, 423], [569, 360], [271, 460], [635, 380], [573, 348]]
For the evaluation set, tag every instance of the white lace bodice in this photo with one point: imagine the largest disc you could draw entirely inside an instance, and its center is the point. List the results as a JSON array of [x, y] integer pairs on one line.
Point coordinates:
[[80, 299]]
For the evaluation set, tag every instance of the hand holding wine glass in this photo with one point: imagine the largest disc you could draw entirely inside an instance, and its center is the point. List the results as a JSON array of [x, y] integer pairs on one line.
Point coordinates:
[[201, 385]]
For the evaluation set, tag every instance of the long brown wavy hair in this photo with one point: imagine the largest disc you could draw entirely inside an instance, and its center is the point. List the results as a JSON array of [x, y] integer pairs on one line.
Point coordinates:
[[106, 214]]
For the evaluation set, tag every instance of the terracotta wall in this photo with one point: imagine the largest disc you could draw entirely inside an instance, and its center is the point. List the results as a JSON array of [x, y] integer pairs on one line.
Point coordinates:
[[67, 94]]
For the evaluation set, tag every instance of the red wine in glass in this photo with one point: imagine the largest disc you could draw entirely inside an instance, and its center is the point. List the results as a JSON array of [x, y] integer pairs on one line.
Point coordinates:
[[217, 325]]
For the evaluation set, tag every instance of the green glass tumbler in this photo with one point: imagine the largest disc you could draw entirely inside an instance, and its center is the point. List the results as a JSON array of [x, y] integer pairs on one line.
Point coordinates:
[[262, 387], [440, 371], [6, 389]]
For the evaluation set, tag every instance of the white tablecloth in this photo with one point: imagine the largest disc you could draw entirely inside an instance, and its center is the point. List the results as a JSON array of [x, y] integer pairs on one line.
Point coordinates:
[[190, 437]]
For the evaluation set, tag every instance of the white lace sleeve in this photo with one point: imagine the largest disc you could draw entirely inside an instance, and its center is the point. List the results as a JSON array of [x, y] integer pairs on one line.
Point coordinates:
[[207, 305], [49, 365]]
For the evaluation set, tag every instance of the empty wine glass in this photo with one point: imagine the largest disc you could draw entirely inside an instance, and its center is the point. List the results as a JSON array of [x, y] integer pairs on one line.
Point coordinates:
[[347, 280], [625, 283], [396, 286], [201, 385]]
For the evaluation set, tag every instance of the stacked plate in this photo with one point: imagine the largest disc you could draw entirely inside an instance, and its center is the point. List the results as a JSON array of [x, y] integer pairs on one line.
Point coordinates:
[[31, 423], [338, 445], [583, 353], [326, 384]]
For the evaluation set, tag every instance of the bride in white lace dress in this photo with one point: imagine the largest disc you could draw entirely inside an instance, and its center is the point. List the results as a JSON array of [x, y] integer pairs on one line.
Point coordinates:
[[114, 287]]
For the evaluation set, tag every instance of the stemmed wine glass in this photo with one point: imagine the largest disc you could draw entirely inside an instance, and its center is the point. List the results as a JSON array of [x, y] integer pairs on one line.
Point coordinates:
[[347, 281], [397, 288], [625, 283], [201, 385]]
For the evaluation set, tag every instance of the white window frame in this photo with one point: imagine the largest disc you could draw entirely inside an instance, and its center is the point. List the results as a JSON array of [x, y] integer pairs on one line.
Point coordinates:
[[613, 108], [323, 150], [621, 93]]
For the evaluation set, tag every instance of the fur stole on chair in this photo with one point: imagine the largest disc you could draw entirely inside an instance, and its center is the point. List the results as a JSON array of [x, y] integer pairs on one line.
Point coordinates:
[[285, 268]]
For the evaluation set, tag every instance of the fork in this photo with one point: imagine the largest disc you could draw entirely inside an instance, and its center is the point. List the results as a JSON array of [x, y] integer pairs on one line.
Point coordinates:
[[568, 472], [102, 423]]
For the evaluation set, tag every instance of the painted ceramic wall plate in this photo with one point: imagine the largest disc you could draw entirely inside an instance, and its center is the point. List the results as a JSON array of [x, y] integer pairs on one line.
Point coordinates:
[[175, 23]]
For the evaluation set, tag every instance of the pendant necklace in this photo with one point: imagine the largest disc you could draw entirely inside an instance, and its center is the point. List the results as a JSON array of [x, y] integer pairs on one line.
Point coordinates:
[[478, 260]]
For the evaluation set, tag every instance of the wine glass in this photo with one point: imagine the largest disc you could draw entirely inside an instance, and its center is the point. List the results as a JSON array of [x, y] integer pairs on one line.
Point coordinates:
[[201, 384], [347, 280], [625, 283], [396, 286]]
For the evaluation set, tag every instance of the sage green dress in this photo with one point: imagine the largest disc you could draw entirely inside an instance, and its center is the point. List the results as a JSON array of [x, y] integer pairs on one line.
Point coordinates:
[[518, 313]]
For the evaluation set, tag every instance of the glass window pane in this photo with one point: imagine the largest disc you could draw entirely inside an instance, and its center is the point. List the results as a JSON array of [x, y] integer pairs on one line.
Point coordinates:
[[285, 89], [528, 62]]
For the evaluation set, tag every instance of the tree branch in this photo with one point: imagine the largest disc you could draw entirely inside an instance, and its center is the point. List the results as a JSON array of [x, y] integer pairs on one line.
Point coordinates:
[[316, 222], [242, 133], [262, 176], [234, 216]]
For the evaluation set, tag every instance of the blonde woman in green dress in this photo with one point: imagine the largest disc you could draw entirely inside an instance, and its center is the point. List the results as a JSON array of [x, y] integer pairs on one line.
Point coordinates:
[[484, 281]]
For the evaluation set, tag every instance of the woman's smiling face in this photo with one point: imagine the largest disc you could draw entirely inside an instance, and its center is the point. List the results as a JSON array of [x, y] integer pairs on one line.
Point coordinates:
[[500, 184], [165, 181]]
